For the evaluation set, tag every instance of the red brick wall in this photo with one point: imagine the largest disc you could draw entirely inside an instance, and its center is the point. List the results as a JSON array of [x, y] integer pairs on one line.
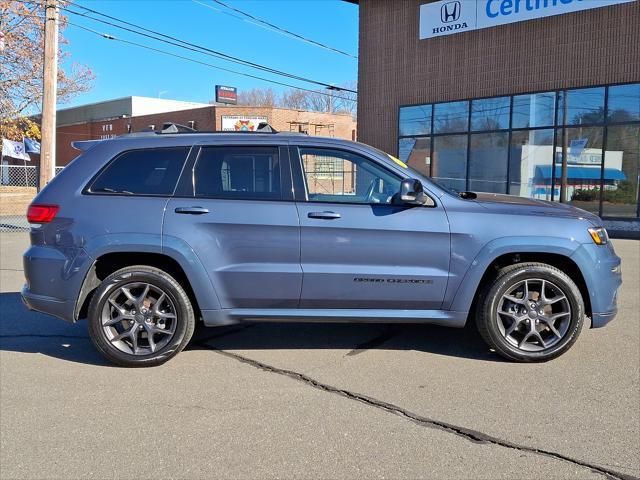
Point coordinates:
[[206, 119]]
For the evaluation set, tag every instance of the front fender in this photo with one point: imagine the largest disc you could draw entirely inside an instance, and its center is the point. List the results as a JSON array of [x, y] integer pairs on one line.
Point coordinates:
[[460, 293]]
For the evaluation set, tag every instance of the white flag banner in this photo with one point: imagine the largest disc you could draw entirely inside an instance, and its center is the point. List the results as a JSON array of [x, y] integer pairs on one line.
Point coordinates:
[[14, 150]]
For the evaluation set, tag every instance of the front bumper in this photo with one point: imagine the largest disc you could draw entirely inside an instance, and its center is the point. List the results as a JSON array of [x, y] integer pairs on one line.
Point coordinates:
[[600, 267]]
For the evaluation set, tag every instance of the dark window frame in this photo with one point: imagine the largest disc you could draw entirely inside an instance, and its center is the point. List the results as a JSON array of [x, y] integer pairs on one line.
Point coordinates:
[[89, 185]]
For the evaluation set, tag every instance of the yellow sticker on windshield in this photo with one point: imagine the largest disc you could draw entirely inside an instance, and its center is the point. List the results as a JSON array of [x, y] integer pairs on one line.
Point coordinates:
[[398, 161]]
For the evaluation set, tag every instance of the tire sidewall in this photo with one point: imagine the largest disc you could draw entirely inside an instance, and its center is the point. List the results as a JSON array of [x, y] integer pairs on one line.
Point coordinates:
[[184, 317], [507, 282]]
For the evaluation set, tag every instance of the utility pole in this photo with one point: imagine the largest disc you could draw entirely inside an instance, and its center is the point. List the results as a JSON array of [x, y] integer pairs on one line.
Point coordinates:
[[565, 149], [49, 97]]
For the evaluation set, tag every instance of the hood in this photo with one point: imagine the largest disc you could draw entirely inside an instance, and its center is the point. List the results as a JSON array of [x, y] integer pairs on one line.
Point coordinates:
[[520, 205]]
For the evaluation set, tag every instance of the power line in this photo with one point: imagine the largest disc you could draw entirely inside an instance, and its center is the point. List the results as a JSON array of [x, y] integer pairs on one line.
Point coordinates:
[[192, 46], [164, 52], [263, 23]]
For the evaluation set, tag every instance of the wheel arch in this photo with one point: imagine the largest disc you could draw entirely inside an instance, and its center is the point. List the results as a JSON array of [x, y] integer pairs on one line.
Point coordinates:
[[553, 251], [561, 262]]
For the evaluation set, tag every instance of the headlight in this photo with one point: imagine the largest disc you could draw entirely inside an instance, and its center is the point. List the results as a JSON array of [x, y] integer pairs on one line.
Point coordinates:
[[599, 235]]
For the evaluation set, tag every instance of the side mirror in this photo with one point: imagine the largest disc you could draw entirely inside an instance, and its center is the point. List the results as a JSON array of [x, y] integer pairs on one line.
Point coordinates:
[[411, 192]]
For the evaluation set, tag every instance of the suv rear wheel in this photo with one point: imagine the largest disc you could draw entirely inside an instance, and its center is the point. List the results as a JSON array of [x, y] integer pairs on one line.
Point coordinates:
[[140, 316], [531, 312]]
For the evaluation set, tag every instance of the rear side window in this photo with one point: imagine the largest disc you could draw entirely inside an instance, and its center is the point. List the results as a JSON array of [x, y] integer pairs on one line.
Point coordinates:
[[143, 172], [251, 173]]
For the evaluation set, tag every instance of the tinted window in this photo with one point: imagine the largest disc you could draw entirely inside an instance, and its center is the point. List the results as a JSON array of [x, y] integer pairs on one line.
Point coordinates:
[[143, 172], [416, 152], [238, 172], [449, 164], [338, 176], [415, 120], [490, 114], [488, 162], [530, 169], [624, 103], [536, 110], [581, 106], [451, 117]]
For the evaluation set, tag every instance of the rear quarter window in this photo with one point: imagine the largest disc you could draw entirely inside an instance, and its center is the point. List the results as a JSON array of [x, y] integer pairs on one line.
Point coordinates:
[[142, 172]]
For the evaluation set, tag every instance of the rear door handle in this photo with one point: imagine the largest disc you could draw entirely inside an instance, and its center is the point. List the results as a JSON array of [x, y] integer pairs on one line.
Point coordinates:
[[324, 215], [192, 210]]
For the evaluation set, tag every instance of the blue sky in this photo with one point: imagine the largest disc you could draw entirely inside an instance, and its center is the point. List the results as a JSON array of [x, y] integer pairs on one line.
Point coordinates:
[[123, 70]]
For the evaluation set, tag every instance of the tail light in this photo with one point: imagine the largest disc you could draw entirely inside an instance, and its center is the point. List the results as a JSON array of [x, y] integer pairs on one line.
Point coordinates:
[[41, 213]]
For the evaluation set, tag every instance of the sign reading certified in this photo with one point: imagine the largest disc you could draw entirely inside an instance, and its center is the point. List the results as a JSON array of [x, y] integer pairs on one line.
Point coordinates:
[[240, 123], [455, 16]]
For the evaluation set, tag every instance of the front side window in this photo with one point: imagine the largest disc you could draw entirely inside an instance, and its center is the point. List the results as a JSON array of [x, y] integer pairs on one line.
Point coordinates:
[[251, 173], [142, 172], [345, 177]]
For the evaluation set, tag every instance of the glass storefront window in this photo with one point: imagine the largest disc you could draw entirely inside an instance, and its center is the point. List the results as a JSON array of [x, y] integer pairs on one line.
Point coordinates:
[[449, 166], [580, 146], [451, 117], [535, 110], [621, 170], [488, 162], [530, 170], [490, 114], [415, 120], [582, 149], [416, 152], [624, 103], [583, 106]]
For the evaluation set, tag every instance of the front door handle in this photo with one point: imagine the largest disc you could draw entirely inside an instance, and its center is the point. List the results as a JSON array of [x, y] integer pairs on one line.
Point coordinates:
[[324, 215], [192, 210]]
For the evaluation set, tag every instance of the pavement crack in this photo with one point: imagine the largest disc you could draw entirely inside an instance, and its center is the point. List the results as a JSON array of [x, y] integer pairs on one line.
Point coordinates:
[[468, 434]]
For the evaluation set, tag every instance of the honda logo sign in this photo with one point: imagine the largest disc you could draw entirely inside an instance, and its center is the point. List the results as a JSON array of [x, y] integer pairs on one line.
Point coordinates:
[[450, 12], [448, 17]]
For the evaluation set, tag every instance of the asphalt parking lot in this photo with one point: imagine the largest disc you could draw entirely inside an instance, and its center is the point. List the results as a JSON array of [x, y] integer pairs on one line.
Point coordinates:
[[317, 401]]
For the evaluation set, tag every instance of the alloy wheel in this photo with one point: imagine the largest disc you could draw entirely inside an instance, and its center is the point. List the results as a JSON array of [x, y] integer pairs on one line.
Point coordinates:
[[139, 318], [534, 315]]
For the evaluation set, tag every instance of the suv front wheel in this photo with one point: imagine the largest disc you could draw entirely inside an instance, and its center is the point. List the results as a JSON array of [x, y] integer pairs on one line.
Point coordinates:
[[140, 316], [531, 312]]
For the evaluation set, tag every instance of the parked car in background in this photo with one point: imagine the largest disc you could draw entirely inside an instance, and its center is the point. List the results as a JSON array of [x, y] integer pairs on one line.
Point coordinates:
[[146, 234]]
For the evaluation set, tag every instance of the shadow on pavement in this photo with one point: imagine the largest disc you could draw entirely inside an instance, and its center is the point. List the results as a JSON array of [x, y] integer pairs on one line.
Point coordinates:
[[29, 332]]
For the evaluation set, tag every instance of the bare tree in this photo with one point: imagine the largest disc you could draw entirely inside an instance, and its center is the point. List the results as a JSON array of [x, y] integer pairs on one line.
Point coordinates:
[[21, 67], [294, 98], [258, 97]]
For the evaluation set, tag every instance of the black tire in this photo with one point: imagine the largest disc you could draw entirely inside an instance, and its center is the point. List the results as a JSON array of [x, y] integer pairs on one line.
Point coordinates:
[[185, 318], [487, 318]]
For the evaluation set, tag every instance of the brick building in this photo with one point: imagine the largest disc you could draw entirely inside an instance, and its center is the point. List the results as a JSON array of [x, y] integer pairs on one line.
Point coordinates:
[[106, 120], [536, 98]]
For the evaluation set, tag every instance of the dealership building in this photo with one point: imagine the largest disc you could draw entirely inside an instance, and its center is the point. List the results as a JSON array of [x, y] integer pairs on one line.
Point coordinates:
[[537, 98]]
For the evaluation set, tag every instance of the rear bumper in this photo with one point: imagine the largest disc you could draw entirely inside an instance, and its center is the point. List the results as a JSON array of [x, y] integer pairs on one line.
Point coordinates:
[[601, 319], [48, 305], [54, 277]]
